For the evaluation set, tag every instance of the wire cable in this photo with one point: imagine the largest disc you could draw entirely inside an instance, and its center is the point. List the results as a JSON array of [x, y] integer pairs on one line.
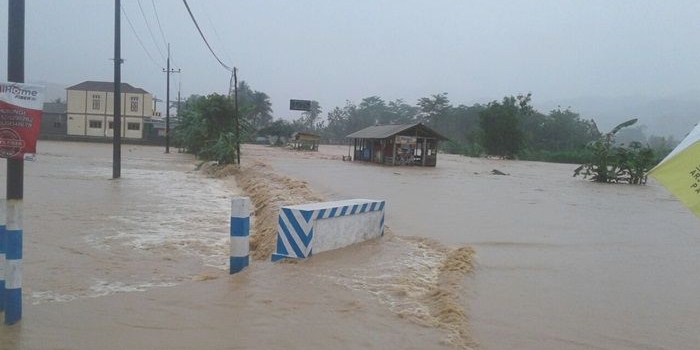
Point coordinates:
[[162, 34], [165, 42], [153, 37], [204, 38], [216, 34], [139, 39]]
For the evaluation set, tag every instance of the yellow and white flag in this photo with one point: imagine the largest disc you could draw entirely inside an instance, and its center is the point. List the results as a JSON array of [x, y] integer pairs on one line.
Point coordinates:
[[679, 172]]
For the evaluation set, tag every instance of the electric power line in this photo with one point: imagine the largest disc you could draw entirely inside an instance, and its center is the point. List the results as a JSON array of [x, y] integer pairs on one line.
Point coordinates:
[[139, 39], [204, 38], [216, 33], [158, 21], [162, 34], [153, 37]]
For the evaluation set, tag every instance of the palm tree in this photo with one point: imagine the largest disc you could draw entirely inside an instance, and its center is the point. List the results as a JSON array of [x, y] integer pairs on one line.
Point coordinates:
[[260, 110]]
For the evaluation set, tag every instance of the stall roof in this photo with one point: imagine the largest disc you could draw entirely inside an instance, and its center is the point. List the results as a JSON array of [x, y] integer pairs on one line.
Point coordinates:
[[384, 131], [305, 136]]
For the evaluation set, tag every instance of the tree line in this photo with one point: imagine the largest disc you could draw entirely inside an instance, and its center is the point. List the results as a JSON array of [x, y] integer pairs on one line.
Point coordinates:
[[510, 128]]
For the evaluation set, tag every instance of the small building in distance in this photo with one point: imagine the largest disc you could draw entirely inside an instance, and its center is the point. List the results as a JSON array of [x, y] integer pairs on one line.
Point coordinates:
[[53, 120], [91, 110], [305, 141], [404, 144]]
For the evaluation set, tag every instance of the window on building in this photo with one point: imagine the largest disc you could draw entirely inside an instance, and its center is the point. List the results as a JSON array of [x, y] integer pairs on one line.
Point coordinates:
[[110, 125], [134, 104], [95, 124], [96, 102], [133, 126], [56, 124]]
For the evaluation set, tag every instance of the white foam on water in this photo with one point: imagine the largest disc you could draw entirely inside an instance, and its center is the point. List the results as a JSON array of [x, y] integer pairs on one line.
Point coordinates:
[[400, 277], [102, 288], [99, 288], [184, 213]]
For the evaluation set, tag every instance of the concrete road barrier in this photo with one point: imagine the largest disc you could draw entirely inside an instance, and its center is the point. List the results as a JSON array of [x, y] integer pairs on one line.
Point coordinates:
[[316, 227]]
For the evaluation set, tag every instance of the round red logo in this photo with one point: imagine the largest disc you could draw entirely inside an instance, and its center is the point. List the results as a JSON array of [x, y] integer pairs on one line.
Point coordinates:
[[10, 143]]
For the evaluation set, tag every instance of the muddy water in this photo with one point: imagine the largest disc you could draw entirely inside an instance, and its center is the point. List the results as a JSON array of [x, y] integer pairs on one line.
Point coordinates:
[[561, 263], [141, 263]]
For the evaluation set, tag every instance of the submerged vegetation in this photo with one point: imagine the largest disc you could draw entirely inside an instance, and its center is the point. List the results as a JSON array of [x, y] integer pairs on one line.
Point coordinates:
[[611, 162], [510, 129]]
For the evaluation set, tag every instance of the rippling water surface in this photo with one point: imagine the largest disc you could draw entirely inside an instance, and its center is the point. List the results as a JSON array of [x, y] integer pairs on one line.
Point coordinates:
[[140, 262], [562, 263]]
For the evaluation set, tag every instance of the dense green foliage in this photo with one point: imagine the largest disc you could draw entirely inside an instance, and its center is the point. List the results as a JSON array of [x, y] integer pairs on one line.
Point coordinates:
[[502, 133], [612, 162], [510, 128], [207, 127]]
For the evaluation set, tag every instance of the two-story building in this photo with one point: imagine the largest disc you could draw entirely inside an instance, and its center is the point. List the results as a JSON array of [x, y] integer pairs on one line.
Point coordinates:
[[91, 109]]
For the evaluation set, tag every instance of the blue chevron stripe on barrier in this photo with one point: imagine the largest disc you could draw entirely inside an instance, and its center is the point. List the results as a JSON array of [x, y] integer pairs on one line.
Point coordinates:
[[295, 230]]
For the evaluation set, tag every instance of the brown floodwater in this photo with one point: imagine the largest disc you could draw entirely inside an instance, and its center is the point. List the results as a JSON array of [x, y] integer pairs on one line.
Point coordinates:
[[140, 262], [562, 263]]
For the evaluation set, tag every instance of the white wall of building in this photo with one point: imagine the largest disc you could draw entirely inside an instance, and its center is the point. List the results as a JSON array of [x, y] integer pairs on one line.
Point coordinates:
[[91, 112]]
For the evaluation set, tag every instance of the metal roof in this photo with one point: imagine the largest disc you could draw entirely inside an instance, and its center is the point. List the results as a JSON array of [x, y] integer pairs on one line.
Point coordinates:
[[384, 131], [106, 86]]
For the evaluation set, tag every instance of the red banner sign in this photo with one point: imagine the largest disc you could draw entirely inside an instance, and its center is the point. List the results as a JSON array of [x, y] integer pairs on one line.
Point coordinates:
[[21, 106]]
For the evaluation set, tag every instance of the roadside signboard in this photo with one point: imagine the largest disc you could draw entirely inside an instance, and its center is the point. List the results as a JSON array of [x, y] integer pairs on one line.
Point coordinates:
[[21, 106], [300, 105]]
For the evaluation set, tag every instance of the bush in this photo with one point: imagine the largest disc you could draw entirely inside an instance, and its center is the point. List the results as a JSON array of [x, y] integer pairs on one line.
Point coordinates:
[[619, 164]]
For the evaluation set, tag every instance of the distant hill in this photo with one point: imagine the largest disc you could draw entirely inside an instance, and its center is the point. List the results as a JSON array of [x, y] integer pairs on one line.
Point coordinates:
[[673, 116]]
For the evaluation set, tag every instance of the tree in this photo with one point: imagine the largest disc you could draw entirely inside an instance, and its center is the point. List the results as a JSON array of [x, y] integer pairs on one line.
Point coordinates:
[[500, 124], [309, 118], [279, 128], [401, 112], [372, 111], [258, 111], [254, 106], [561, 130], [337, 126], [207, 128], [433, 107]]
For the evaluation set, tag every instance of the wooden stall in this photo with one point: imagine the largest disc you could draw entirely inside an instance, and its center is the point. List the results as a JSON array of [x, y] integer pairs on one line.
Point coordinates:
[[396, 144], [305, 141]]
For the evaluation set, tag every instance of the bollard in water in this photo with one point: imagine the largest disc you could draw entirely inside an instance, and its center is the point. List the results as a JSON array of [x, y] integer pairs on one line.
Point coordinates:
[[13, 262], [3, 217], [240, 232]]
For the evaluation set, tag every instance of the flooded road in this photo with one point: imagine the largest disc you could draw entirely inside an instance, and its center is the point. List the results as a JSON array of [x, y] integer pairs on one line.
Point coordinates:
[[562, 263], [141, 262]]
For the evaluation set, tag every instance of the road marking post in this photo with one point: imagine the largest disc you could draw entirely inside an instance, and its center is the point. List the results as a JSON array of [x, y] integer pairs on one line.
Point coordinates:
[[240, 233]]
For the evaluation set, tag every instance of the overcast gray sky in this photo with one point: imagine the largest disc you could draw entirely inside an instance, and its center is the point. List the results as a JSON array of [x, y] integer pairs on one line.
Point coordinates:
[[333, 51]]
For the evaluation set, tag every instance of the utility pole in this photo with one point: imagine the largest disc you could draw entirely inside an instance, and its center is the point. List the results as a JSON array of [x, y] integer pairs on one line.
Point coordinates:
[[12, 290], [167, 101], [178, 104], [155, 104], [117, 123], [235, 116]]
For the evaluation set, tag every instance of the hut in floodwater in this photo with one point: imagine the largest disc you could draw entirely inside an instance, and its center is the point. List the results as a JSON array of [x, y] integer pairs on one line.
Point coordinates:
[[404, 144], [305, 141]]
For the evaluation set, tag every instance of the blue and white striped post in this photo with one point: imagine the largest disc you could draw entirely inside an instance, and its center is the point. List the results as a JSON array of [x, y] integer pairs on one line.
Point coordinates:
[[13, 262], [3, 217], [240, 232]]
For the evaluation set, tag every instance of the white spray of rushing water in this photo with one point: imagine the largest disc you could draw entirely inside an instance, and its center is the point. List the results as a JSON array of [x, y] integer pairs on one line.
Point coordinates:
[[155, 227]]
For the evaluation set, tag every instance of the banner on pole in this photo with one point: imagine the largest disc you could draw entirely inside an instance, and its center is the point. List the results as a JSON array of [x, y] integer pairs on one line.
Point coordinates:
[[21, 106]]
